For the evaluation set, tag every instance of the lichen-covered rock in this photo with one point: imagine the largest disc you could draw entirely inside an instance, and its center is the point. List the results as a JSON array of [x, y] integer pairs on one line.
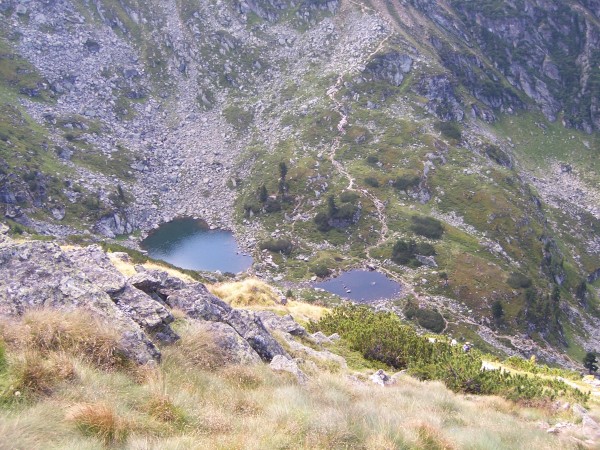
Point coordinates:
[[298, 349], [40, 274], [227, 339], [198, 303], [282, 364], [250, 327], [390, 67], [150, 314], [285, 323], [381, 378]]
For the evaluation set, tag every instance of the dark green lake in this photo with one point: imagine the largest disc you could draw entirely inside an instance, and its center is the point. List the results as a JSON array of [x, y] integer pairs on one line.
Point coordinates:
[[189, 244], [362, 286]]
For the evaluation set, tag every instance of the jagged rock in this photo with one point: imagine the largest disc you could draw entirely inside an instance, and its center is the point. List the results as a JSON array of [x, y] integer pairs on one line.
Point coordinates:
[[114, 224], [281, 323], [390, 67], [146, 312], [250, 327], [381, 378], [299, 349], [195, 300], [579, 410], [151, 315], [97, 266], [282, 364], [40, 274], [560, 426], [443, 101], [428, 261], [237, 349], [320, 338], [145, 281]]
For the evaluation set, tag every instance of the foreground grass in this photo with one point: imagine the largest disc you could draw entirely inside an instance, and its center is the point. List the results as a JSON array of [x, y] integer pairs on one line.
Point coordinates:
[[196, 400]]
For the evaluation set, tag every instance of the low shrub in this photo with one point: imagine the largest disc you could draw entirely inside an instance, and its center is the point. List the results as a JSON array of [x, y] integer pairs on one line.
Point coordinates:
[[348, 197], [517, 280], [405, 182], [427, 226], [372, 159], [320, 270], [498, 155], [383, 337], [427, 318], [529, 365], [272, 205], [405, 252], [322, 222], [372, 181], [450, 130], [431, 319], [284, 246]]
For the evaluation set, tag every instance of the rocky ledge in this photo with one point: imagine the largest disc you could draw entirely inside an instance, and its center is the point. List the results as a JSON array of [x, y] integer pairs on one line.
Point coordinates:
[[37, 274]]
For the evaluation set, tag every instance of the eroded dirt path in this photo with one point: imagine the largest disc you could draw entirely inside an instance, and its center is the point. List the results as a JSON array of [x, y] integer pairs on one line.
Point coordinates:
[[332, 92]]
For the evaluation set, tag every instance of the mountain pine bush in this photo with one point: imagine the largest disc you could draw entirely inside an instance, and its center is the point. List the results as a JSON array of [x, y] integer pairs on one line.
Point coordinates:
[[382, 337]]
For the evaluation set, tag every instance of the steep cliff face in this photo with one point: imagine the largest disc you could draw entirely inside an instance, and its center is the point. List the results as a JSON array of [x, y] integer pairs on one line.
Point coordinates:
[[119, 114]]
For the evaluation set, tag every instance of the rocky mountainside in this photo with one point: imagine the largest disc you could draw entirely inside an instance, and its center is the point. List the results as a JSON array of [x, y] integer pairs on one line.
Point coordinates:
[[481, 116]]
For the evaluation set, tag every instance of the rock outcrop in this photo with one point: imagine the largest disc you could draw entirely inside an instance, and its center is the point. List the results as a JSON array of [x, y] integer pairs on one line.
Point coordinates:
[[42, 275], [37, 274], [197, 303]]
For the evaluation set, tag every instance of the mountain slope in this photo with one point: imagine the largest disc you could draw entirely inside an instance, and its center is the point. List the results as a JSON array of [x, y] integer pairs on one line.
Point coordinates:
[[119, 115]]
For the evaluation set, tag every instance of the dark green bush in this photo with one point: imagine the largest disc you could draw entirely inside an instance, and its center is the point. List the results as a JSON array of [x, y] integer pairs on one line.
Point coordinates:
[[519, 281], [427, 318], [405, 182], [372, 159], [498, 155], [251, 207], [348, 197], [451, 130], [345, 212], [405, 252], [272, 205], [371, 181], [320, 270], [322, 222], [284, 246], [384, 338], [430, 319], [427, 226], [497, 310]]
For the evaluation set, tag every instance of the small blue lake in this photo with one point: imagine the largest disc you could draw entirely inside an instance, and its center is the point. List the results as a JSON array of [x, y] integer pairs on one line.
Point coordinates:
[[189, 244], [362, 286]]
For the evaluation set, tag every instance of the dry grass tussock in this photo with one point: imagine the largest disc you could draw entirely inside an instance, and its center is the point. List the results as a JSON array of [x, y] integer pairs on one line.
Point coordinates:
[[128, 269], [100, 421], [193, 402], [34, 374], [248, 292], [300, 311], [75, 333], [199, 350]]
